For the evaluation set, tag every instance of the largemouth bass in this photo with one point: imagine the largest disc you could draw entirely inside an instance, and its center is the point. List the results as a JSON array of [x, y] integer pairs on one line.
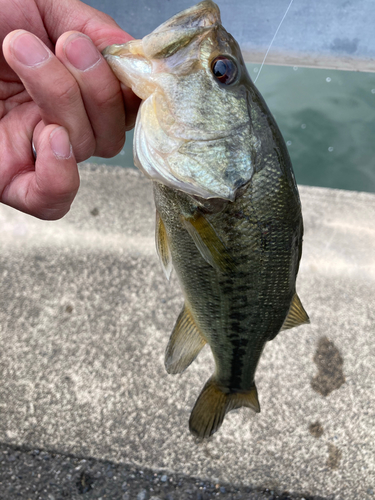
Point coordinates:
[[228, 211]]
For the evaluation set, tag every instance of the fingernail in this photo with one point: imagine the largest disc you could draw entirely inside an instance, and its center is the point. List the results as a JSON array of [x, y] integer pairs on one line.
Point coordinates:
[[29, 50], [60, 144], [81, 52]]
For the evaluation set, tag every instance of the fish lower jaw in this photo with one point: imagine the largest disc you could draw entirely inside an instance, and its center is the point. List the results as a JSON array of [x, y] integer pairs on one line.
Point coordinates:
[[190, 189], [196, 191]]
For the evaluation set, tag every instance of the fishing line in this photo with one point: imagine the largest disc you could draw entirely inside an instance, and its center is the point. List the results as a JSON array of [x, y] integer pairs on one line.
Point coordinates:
[[273, 39]]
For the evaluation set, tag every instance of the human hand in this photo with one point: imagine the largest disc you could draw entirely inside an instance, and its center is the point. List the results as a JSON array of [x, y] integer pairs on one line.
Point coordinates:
[[56, 90]]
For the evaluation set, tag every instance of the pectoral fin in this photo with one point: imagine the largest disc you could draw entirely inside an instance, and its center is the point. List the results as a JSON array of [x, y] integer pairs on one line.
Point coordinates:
[[162, 246], [185, 343], [214, 403], [208, 243]]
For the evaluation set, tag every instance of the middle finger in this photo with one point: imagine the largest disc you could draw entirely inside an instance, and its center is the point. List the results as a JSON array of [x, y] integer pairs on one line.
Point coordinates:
[[100, 90]]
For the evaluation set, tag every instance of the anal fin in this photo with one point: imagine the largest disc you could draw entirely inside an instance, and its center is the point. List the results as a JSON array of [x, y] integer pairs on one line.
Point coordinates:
[[162, 246], [185, 343], [296, 315], [214, 403]]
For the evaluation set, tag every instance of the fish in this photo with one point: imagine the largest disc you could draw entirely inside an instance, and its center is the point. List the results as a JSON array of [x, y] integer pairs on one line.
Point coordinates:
[[228, 213]]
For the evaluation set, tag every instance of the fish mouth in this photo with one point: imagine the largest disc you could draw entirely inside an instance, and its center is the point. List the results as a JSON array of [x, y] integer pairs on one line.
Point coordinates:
[[172, 35], [132, 61]]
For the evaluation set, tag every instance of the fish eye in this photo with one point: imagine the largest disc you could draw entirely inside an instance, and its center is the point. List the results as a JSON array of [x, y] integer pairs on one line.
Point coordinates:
[[224, 69]]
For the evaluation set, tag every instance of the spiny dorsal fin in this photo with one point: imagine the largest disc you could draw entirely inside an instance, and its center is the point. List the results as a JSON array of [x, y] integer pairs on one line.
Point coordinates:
[[214, 403], [296, 315], [162, 246], [185, 343], [208, 243]]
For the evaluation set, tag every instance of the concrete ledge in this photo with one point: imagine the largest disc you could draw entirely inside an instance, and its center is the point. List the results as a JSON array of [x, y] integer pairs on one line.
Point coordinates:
[[85, 315]]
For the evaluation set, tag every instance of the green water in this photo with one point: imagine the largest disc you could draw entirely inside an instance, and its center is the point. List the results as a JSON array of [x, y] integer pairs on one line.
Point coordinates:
[[327, 118]]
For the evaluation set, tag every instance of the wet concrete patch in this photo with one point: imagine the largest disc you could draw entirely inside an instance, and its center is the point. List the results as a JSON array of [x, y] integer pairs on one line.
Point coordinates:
[[334, 456], [316, 429], [330, 368]]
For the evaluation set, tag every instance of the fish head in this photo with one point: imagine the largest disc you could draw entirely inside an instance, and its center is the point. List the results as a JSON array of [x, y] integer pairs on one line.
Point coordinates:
[[193, 130]]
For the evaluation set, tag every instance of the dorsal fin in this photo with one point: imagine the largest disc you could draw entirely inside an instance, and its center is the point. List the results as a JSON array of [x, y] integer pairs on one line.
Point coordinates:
[[185, 343], [162, 246], [296, 315], [210, 246]]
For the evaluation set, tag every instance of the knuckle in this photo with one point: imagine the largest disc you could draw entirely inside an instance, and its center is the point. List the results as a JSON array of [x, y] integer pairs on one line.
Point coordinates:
[[41, 206], [67, 92], [107, 149], [65, 193], [54, 199], [59, 208], [107, 95], [53, 213], [84, 147]]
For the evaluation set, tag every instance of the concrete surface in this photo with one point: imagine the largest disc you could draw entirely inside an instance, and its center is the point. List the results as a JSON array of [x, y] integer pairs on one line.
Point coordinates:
[[338, 34], [86, 313]]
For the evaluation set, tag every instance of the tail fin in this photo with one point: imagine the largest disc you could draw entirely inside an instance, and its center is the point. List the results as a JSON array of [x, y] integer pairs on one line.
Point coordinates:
[[214, 403]]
